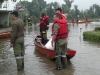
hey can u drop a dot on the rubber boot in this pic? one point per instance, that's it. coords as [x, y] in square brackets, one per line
[23, 64]
[58, 63]
[64, 62]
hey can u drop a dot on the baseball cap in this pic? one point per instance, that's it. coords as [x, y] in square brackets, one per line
[14, 13]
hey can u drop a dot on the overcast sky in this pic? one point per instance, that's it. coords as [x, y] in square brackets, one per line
[82, 4]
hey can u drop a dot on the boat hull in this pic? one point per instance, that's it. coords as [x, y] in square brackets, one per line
[80, 22]
[51, 53]
[5, 35]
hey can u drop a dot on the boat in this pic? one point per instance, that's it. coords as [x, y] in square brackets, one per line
[51, 53]
[81, 22]
[5, 35]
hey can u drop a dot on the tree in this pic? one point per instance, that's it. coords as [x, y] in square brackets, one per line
[68, 5]
[1, 1]
[51, 8]
[76, 11]
[36, 7]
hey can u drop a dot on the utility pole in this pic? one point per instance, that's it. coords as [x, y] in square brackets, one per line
[94, 14]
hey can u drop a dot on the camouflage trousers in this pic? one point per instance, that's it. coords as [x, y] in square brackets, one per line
[19, 52]
[60, 54]
[44, 37]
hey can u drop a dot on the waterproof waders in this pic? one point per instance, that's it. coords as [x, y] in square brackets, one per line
[19, 52]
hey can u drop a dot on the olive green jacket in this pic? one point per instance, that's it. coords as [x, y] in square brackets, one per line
[17, 29]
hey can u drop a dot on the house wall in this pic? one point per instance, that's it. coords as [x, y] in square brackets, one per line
[4, 18]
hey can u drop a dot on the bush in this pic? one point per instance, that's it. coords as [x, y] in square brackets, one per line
[92, 36]
[97, 29]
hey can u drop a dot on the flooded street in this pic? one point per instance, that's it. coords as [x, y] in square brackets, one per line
[85, 62]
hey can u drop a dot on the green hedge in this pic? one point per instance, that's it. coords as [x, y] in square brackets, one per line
[97, 29]
[92, 36]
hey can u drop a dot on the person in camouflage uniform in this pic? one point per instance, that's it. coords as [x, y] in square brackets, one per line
[59, 36]
[29, 21]
[17, 40]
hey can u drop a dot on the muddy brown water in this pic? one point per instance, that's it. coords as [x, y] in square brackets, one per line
[85, 62]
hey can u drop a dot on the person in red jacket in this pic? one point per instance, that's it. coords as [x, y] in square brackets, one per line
[59, 10]
[44, 26]
[59, 36]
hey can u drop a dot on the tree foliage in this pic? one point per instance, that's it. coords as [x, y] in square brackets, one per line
[36, 7]
[1, 1]
[68, 5]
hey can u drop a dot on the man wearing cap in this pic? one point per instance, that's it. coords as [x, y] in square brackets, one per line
[59, 11]
[17, 40]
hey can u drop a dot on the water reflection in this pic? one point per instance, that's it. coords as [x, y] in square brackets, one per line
[86, 25]
[28, 30]
[68, 71]
[36, 28]
[6, 58]
[85, 51]
[51, 65]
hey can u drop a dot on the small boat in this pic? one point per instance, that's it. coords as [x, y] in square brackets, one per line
[81, 22]
[5, 35]
[51, 53]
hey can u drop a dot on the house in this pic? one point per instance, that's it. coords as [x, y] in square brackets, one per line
[4, 18]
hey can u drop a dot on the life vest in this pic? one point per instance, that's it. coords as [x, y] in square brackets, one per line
[63, 16]
[63, 29]
[43, 20]
[46, 17]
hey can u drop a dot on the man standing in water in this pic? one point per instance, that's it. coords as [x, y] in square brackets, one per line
[59, 11]
[17, 40]
[59, 35]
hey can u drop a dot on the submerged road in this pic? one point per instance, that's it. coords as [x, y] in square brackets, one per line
[86, 61]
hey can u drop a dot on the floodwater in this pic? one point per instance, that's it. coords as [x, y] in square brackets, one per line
[85, 62]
